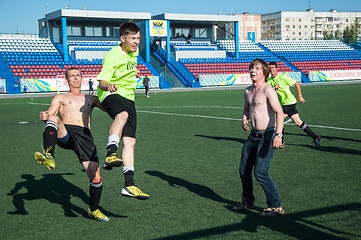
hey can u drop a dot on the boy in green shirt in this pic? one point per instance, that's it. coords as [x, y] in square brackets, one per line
[282, 83]
[117, 83]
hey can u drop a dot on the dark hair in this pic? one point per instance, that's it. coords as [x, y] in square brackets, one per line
[273, 64]
[70, 69]
[266, 70]
[127, 28]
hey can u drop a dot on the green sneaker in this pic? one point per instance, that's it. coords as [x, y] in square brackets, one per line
[45, 158]
[112, 161]
[98, 215]
[134, 191]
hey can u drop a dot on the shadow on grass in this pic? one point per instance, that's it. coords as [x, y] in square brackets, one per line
[198, 189]
[55, 189]
[224, 138]
[325, 137]
[293, 225]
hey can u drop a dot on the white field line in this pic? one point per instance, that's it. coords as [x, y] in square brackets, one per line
[189, 115]
[219, 118]
[236, 119]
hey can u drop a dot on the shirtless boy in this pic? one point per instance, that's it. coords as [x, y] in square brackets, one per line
[72, 131]
[262, 107]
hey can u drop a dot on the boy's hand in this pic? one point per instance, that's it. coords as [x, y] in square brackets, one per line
[44, 115]
[112, 88]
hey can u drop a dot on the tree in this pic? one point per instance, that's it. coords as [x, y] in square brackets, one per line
[351, 33]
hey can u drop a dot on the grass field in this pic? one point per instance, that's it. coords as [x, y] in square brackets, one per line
[187, 156]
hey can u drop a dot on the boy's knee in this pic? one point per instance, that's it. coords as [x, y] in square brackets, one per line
[129, 141]
[54, 119]
[123, 116]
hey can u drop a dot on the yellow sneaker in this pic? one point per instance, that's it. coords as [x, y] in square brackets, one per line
[134, 191]
[112, 161]
[45, 158]
[98, 215]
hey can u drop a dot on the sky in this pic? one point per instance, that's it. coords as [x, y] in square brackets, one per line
[21, 16]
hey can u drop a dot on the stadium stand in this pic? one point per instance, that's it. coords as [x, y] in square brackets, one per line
[214, 66]
[316, 55]
[38, 58]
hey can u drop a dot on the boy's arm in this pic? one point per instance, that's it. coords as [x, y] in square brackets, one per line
[53, 109]
[299, 93]
[245, 114]
[97, 104]
[276, 106]
[105, 86]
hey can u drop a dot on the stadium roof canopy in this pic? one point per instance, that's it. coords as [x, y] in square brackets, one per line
[196, 19]
[72, 14]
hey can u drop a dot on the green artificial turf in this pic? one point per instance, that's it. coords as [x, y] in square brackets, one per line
[186, 158]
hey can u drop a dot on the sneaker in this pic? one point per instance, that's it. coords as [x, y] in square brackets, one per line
[134, 191]
[45, 158]
[317, 141]
[98, 215]
[112, 161]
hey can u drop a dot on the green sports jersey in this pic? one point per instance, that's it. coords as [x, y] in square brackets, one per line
[284, 93]
[119, 68]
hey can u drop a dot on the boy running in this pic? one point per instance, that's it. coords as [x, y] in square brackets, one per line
[282, 83]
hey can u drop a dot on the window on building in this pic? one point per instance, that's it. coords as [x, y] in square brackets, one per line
[73, 30]
[294, 26]
[112, 31]
[183, 32]
[287, 19]
[287, 26]
[293, 33]
[93, 31]
[300, 26]
[306, 26]
[299, 20]
[299, 33]
[200, 32]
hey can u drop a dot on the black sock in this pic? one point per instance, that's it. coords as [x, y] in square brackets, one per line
[112, 148]
[50, 136]
[95, 191]
[129, 178]
[307, 130]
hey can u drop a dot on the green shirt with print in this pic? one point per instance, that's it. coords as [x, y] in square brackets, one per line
[284, 93]
[119, 68]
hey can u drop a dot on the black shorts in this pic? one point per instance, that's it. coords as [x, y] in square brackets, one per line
[115, 104]
[290, 109]
[80, 140]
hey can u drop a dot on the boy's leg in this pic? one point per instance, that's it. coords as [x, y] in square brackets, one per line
[95, 190]
[297, 120]
[130, 189]
[261, 167]
[54, 129]
[116, 107]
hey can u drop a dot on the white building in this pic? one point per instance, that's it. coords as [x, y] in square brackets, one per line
[249, 27]
[306, 25]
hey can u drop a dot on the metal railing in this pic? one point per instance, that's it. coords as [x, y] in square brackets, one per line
[162, 72]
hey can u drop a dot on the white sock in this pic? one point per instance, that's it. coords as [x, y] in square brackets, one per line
[113, 139]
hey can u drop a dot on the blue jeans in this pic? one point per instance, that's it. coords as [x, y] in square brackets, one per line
[257, 153]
